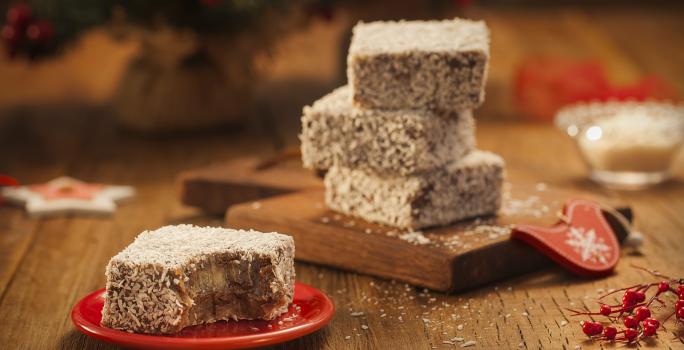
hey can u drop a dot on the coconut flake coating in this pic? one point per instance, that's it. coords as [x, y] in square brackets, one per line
[382, 141]
[439, 65]
[464, 189]
[177, 276]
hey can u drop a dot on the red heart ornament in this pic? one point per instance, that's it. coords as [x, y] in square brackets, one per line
[583, 243]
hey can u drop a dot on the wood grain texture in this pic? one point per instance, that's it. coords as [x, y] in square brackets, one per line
[48, 264]
[464, 255]
[216, 187]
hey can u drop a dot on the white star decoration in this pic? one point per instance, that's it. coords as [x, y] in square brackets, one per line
[67, 195]
[587, 245]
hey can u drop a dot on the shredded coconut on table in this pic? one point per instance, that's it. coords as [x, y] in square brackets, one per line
[415, 237]
[468, 343]
[532, 205]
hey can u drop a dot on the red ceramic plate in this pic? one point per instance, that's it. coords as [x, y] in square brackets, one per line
[310, 310]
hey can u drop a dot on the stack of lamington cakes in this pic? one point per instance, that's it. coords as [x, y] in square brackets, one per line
[398, 142]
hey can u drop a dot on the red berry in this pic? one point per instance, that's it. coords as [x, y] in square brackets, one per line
[680, 313]
[629, 298]
[631, 334]
[40, 31]
[680, 289]
[19, 15]
[663, 287]
[640, 296]
[629, 294]
[610, 332]
[12, 38]
[679, 304]
[591, 328]
[681, 295]
[10, 35]
[631, 322]
[605, 310]
[642, 313]
[649, 330]
[652, 321]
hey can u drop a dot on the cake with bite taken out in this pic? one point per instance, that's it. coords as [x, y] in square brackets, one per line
[179, 276]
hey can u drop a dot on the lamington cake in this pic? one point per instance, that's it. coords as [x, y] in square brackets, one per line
[178, 276]
[382, 141]
[419, 64]
[467, 188]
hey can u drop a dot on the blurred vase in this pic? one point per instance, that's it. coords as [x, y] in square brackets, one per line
[176, 84]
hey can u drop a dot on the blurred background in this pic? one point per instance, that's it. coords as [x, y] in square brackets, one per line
[112, 83]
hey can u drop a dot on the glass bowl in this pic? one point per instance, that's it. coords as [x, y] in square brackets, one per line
[626, 145]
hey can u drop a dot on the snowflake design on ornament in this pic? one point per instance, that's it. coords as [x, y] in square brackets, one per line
[585, 243]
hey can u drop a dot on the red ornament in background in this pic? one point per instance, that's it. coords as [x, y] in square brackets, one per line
[649, 87]
[7, 181]
[542, 85]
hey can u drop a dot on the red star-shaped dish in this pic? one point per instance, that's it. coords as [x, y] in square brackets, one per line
[67, 195]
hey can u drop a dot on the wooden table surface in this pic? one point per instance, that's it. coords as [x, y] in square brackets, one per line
[46, 265]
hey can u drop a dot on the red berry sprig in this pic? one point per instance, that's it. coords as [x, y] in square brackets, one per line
[22, 31]
[610, 332]
[635, 310]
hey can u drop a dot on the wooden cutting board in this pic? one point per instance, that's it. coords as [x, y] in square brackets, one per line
[214, 188]
[456, 257]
